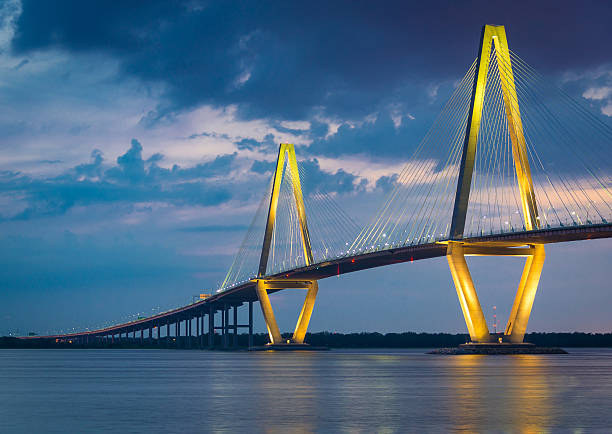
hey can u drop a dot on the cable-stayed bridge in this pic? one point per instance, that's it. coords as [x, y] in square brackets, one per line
[511, 164]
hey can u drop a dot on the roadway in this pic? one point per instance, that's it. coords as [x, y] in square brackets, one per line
[245, 293]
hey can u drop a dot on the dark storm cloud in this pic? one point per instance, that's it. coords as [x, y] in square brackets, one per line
[267, 143]
[380, 138]
[387, 183]
[135, 180]
[316, 180]
[132, 179]
[313, 179]
[286, 59]
[216, 228]
[263, 166]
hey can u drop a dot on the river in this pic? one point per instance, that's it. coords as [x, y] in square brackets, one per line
[167, 391]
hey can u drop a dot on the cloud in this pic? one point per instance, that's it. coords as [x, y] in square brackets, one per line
[340, 181]
[131, 180]
[602, 95]
[266, 145]
[215, 228]
[9, 13]
[387, 183]
[263, 166]
[130, 165]
[595, 85]
[597, 93]
[254, 58]
[385, 135]
[296, 125]
[134, 180]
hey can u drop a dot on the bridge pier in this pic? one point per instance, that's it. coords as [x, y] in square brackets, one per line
[468, 299]
[211, 327]
[203, 337]
[250, 324]
[225, 325]
[167, 333]
[263, 285]
[197, 318]
[525, 295]
[188, 332]
[235, 339]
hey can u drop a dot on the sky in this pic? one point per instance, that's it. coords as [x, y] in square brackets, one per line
[137, 139]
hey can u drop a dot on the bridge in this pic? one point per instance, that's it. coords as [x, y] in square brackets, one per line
[510, 165]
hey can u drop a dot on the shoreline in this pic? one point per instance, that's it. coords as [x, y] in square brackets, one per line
[332, 340]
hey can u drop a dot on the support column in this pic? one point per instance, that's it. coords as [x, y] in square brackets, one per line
[268, 313]
[225, 325]
[201, 340]
[250, 324]
[141, 336]
[197, 318]
[188, 332]
[211, 327]
[521, 309]
[302, 325]
[177, 332]
[167, 333]
[235, 342]
[472, 311]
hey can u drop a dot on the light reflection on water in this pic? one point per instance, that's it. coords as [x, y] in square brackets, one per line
[513, 396]
[336, 391]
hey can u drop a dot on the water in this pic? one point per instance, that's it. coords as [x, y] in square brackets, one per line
[159, 391]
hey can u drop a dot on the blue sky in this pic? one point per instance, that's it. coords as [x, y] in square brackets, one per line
[136, 142]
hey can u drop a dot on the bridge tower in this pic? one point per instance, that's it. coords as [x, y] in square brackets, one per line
[286, 156]
[458, 248]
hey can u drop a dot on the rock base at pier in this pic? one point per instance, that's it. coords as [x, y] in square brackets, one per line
[498, 349]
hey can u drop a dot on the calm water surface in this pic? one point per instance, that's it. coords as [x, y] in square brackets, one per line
[79, 391]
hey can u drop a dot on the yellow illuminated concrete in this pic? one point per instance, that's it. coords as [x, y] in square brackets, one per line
[472, 312]
[494, 35]
[521, 310]
[264, 285]
[286, 154]
[302, 324]
[523, 303]
[515, 127]
[268, 312]
[456, 251]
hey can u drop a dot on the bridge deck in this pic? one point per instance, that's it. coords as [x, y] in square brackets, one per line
[246, 292]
